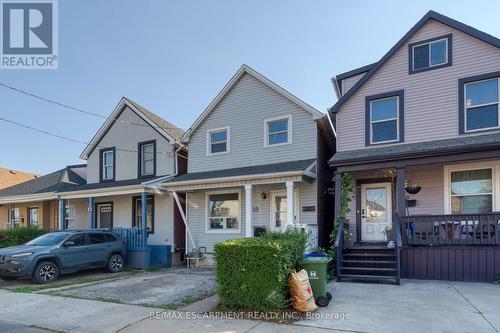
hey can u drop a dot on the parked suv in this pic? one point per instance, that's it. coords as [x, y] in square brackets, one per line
[46, 257]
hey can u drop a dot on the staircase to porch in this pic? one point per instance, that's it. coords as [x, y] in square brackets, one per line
[374, 262]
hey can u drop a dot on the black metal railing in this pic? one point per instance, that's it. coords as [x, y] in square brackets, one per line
[339, 244]
[399, 243]
[463, 229]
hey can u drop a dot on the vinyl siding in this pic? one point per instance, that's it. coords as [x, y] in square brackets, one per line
[197, 211]
[126, 137]
[349, 82]
[244, 109]
[431, 97]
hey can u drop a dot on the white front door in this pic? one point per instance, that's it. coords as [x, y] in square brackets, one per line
[376, 211]
[279, 209]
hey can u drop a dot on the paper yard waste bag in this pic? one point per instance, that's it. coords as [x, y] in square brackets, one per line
[301, 292]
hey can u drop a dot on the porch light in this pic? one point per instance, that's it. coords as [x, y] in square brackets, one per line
[263, 195]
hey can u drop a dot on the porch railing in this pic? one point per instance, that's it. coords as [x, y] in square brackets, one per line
[339, 244]
[464, 229]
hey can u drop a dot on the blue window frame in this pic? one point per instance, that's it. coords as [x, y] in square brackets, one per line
[430, 54]
[384, 118]
[479, 103]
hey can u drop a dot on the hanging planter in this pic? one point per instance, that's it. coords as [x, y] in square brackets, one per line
[413, 189]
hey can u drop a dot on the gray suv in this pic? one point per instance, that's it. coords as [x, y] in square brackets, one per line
[46, 257]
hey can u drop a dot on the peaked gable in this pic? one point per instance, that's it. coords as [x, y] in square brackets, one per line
[431, 15]
[245, 69]
[169, 131]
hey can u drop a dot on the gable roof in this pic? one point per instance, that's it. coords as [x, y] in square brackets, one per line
[245, 69]
[430, 15]
[53, 182]
[166, 129]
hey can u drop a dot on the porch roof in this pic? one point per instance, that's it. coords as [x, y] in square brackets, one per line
[285, 169]
[457, 145]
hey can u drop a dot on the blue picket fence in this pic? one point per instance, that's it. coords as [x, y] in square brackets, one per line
[135, 238]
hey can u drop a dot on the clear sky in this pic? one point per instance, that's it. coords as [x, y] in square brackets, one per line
[173, 57]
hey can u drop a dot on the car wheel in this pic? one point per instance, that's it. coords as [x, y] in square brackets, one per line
[116, 263]
[45, 272]
[8, 278]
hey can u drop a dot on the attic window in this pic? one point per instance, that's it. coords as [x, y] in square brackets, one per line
[218, 141]
[430, 54]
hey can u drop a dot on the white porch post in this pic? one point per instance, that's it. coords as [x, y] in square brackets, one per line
[248, 210]
[61, 214]
[290, 202]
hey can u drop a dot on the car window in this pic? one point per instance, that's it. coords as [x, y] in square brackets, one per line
[111, 238]
[49, 239]
[78, 239]
[97, 238]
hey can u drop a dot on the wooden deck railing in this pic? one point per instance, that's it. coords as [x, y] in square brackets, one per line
[465, 229]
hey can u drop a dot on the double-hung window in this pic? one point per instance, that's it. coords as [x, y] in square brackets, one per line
[107, 164]
[471, 191]
[218, 141]
[147, 158]
[137, 213]
[223, 212]
[481, 104]
[14, 217]
[277, 131]
[384, 118]
[430, 54]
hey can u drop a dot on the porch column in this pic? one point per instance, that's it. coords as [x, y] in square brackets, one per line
[144, 213]
[400, 191]
[338, 193]
[290, 201]
[248, 210]
[61, 214]
[90, 213]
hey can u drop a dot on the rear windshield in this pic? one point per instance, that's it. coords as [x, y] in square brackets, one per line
[49, 239]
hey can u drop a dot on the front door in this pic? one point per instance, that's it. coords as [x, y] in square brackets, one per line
[376, 211]
[279, 209]
[104, 215]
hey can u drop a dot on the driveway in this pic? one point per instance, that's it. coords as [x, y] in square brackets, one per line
[169, 288]
[414, 306]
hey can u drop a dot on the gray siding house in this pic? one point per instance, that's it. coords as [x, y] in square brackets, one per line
[419, 130]
[255, 156]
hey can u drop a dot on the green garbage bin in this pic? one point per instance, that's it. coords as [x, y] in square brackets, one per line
[316, 267]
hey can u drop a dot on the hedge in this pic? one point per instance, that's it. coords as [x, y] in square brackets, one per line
[252, 273]
[18, 236]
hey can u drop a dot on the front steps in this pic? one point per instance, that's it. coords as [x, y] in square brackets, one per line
[369, 263]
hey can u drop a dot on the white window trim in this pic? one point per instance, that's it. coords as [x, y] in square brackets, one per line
[143, 161]
[104, 165]
[290, 130]
[430, 65]
[481, 105]
[207, 213]
[228, 140]
[495, 178]
[385, 120]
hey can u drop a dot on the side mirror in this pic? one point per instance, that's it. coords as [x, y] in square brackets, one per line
[68, 244]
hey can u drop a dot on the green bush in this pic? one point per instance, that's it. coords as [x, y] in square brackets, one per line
[17, 236]
[252, 273]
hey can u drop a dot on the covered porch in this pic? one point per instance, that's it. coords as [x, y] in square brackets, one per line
[141, 213]
[439, 207]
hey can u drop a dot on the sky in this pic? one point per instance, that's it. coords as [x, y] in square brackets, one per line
[173, 57]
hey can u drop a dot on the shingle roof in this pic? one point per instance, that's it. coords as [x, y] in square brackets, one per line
[245, 171]
[168, 127]
[120, 183]
[430, 15]
[414, 150]
[53, 182]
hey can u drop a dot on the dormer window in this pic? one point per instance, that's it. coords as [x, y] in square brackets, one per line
[107, 164]
[218, 141]
[430, 54]
[147, 159]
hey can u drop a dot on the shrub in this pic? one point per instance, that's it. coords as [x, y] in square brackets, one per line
[252, 273]
[17, 236]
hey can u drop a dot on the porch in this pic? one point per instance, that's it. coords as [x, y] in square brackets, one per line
[440, 212]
